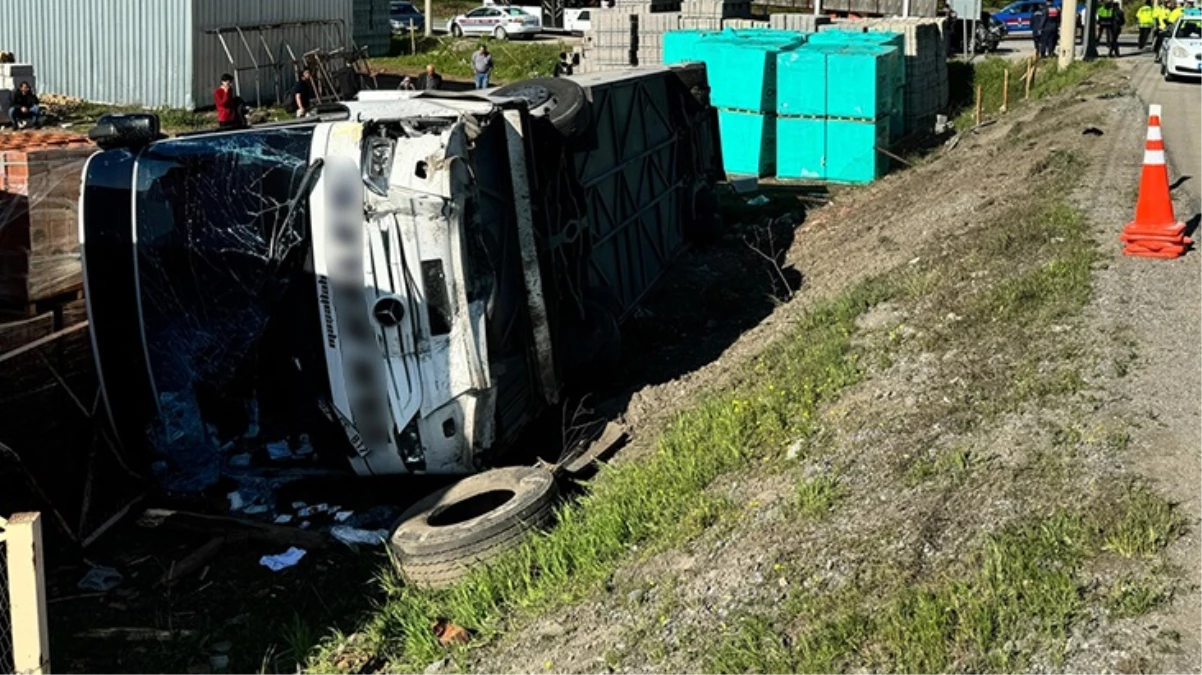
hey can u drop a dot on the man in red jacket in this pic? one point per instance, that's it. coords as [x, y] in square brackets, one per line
[228, 114]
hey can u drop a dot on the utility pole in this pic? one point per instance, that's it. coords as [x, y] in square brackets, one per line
[429, 22]
[1089, 32]
[1067, 50]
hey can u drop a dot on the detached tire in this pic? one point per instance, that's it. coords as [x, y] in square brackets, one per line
[441, 538]
[560, 100]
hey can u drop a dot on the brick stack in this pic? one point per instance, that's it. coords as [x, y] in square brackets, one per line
[803, 23]
[926, 90]
[607, 43]
[709, 14]
[39, 223]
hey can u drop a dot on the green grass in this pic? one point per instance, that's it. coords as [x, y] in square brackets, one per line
[452, 57]
[1050, 79]
[658, 500]
[817, 496]
[1134, 595]
[1025, 586]
[1146, 525]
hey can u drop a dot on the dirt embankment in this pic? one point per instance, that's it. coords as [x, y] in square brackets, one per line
[1012, 389]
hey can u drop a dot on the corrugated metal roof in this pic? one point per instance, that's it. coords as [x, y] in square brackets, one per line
[111, 51]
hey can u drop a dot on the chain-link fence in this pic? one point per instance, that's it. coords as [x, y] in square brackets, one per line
[6, 624]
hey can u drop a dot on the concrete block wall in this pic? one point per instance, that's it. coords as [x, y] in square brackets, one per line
[926, 68]
[607, 44]
[806, 23]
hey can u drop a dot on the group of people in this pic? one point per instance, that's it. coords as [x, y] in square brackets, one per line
[1045, 29]
[1153, 19]
[1156, 20]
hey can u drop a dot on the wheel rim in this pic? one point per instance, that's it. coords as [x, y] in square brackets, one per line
[534, 94]
[499, 33]
[456, 31]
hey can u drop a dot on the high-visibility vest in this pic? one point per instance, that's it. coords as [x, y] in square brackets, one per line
[1161, 14]
[1175, 14]
[1145, 16]
[1105, 13]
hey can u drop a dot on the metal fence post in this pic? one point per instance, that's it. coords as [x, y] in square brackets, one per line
[27, 593]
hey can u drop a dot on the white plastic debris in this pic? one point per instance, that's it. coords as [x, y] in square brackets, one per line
[353, 535]
[236, 502]
[304, 524]
[284, 560]
[759, 200]
[256, 509]
[321, 508]
[240, 460]
[298, 505]
[283, 518]
[342, 516]
[306, 511]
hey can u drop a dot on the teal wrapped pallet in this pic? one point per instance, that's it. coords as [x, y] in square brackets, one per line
[748, 142]
[742, 68]
[864, 81]
[801, 82]
[851, 150]
[681, 46]
[801, 148]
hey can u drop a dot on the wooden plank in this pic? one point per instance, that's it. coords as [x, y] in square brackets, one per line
[27, 593]
[49, 339]
[14, 334]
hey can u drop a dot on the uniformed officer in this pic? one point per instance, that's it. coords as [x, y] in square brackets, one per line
[1038, 16]
[1145, 16]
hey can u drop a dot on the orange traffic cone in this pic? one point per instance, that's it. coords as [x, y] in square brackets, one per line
[1155, 232]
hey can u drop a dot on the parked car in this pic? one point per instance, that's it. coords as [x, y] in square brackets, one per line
[499, 22]
[402, 15]
[578, 20]
[1017, 16]
[1181, 51]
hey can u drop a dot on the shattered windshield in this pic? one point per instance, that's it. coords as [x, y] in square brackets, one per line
[217, 249]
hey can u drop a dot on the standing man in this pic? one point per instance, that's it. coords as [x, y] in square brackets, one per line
[482, 64]
[1117, 19]
[1160, 15]
[302, 93]
[1104, 17]
[431, 80]
[228, 104]
[1145, 17]
[25, 111]
[1038, 17]
[1051, 31]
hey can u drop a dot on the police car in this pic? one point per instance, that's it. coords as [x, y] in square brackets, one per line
[501, 22]
[1017, 16]
[1181, 52]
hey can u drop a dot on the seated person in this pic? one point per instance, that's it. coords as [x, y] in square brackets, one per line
[25, 110]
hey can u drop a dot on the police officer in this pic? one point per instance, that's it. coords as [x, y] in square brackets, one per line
[1105, 16]
[1038, 16]
[1051, 32]
[1161, 15]
[1178, 10]
[1117, 19]
[1146, 19]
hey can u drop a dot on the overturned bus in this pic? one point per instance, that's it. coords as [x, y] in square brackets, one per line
[401, 282]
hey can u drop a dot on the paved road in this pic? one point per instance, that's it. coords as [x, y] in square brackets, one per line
[1182, 103]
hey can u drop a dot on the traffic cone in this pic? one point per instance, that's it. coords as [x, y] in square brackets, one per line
[1155, 232]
